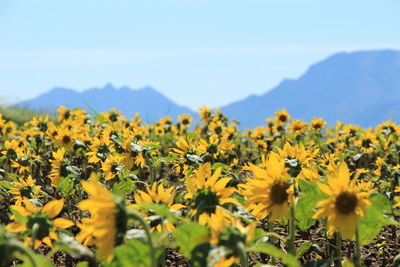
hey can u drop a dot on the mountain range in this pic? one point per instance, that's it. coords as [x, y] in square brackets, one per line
[360, 88]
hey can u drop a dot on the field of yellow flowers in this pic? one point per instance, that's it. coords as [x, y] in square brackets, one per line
[106, 191]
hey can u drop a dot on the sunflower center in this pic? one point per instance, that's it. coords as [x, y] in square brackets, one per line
[317, 126]
[212, 149]
[282, 118]
[366, 143]
[346, 203]
[206, 200]
[279, 193]
[66, 139]
[26, 191]
[43, 223]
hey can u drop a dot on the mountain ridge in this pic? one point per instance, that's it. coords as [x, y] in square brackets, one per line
[361, 87]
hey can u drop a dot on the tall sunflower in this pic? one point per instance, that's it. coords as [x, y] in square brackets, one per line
[269, 191]
[345, 202]
[101, 227]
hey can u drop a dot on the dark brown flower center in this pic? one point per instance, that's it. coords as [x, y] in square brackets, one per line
[279, 193]
[346, 203]
[283, 118]
[66, 139]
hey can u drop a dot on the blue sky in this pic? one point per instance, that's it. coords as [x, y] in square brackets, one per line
[195, 52]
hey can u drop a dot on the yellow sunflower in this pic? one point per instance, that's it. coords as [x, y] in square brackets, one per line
[297, 127]
[368, 141]
[112, 166]
[158, 195]
[56, 166]
[24, 188]
[101, 227]
[65, 138]
[269, 191]
[209, 193]
[39, 222]
[345, 202]
[282, 116]
[317, 124]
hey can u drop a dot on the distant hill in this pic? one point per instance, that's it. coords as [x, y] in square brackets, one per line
[360, 88]
[147, 101]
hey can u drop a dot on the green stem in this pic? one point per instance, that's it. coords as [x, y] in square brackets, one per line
[357, 256]
[338, 250]
[242, 254]
[35, 229]
[146, 227]
[19, 247]
[292, 232]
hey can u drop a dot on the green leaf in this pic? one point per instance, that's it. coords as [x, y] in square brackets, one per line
[133, 253]
[303, 248]
[376, 217]
[310, 195]
[66, 186]
[39, 260]
[161, 210]
[275, 252]
[188, 236]
[124, 187]
[7, 185]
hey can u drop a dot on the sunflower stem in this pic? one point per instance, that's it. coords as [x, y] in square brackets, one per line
[357, 256]
[35, 229]
[242, 254]
[146, 227]
[292, 232]
[338, 249]
[19, 247]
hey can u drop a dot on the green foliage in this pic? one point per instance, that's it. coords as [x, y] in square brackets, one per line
[377, 216]
[275, 252]
[310, 195]
[189, 236]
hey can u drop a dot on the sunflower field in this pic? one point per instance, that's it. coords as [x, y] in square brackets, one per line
[102, 190]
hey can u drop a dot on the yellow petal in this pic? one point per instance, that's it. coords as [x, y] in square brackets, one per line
[53, 208]
[62, 223]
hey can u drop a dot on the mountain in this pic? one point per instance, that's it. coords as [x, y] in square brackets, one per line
[147, 101]
[361, 88]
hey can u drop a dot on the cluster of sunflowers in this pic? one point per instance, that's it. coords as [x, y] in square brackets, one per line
[104, 190]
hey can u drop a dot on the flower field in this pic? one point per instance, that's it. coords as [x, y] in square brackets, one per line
[103, 190]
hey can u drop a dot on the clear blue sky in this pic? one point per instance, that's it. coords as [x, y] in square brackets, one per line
[195, 52]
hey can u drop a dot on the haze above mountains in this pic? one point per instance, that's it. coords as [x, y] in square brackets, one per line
[360, 88]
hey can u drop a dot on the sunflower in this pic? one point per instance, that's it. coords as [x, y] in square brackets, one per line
[100, 149]
[24, 188]
[12, 149]
[282, 116]
[101, 228]
[317, 124]
[299, 161]
[158, 195]
[204, 114]
[39, 222]
[112, 166]
[57, 168]
[368, 141]
[65, 138]
[297, 127]
[269, 191]
[209, 193]
[63, 114]
[345, 203]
